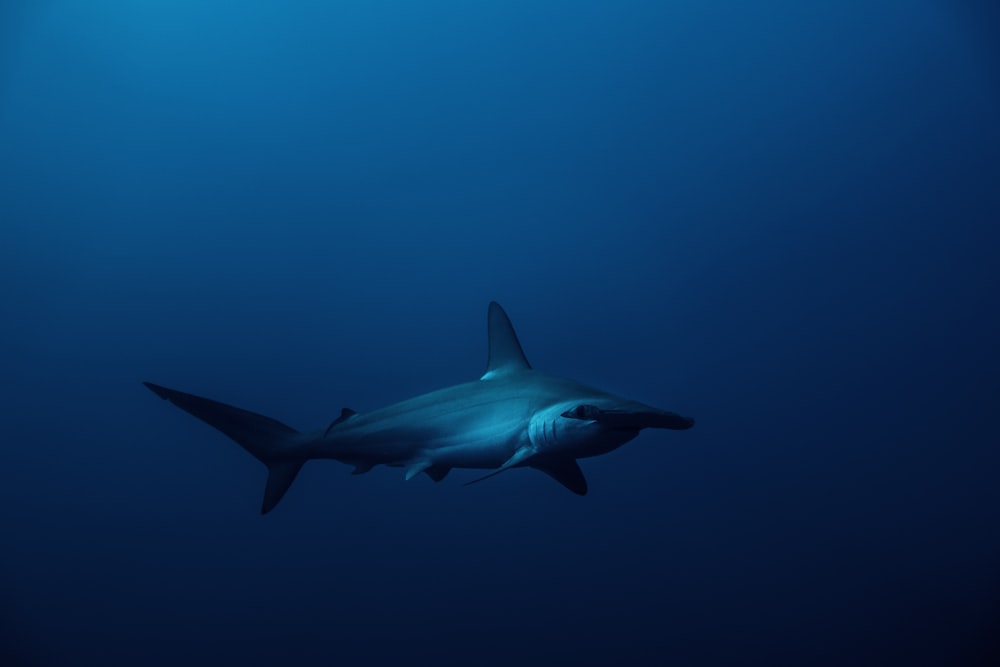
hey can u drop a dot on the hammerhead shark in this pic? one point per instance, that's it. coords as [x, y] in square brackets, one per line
[512, 417]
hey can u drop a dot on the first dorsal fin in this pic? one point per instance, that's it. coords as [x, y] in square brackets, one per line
[345, 414]
[505, 355]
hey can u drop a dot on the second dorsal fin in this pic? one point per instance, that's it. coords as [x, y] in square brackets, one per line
[506, 355]
[345, 414]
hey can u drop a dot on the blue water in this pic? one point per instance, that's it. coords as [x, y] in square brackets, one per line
[780, 218]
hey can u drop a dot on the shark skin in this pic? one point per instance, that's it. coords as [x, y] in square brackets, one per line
[513, 417]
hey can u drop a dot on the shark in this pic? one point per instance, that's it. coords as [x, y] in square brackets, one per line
[512, 417]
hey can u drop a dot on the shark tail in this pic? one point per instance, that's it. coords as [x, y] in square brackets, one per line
[267, 439]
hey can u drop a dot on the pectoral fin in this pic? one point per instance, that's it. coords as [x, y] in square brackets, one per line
[565, 471]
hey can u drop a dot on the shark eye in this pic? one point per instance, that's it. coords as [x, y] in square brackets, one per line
[580, 412]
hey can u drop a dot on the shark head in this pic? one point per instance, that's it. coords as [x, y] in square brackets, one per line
[580, 421]
[593, 426]
[572, 421]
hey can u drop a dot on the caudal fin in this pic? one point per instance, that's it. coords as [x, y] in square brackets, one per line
[267, 439]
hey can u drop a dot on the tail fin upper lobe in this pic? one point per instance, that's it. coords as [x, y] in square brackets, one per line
[267, 439]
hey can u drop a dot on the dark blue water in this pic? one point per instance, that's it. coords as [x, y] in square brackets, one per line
[779, 219]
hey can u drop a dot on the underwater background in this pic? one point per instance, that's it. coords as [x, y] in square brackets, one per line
[779, 218]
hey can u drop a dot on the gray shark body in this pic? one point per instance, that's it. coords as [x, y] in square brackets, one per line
[512, 417]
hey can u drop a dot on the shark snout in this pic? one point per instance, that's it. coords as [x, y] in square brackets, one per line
[666, 419]
[633, 417]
